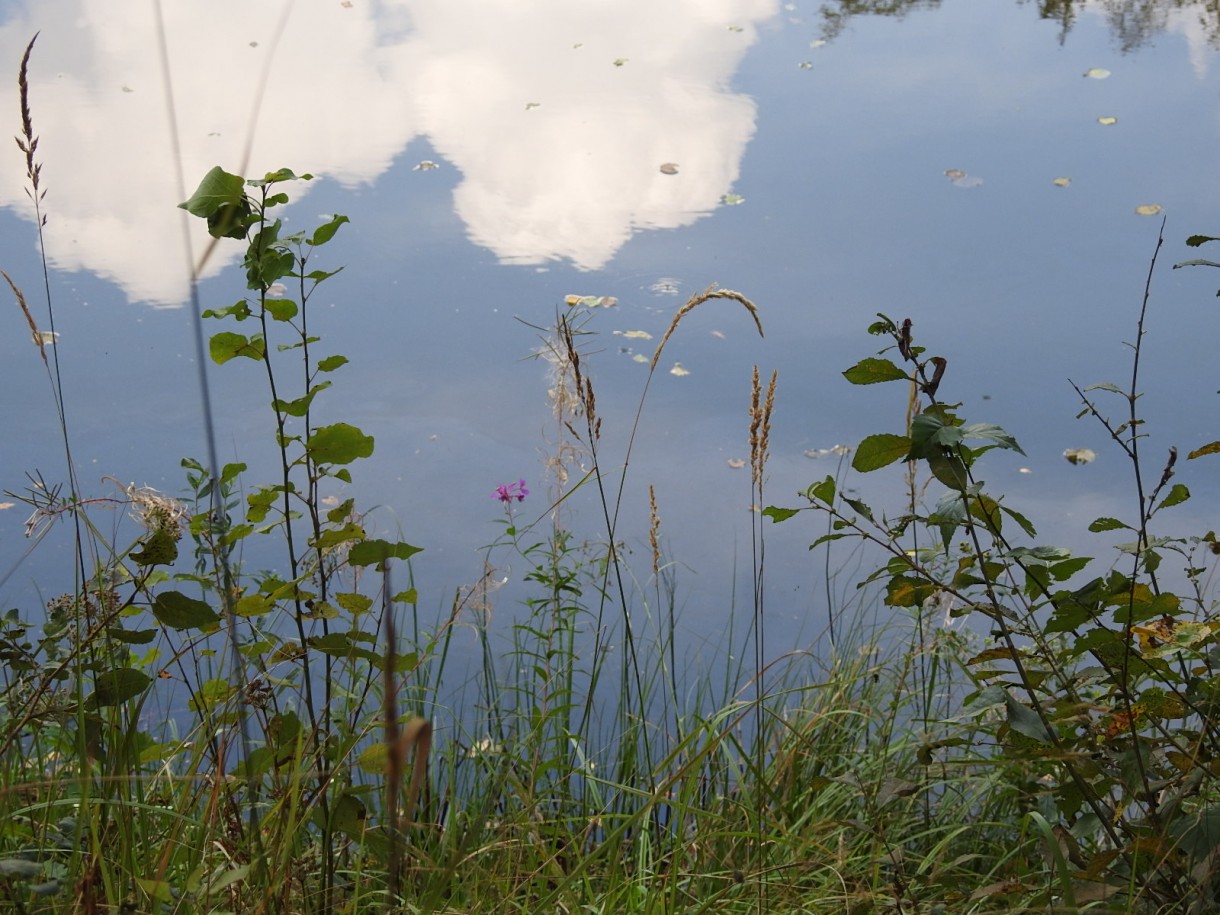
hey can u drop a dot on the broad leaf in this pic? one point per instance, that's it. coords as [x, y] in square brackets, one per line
[874, 370]
[339, 444]
[372, 551]
[879, 451]
[178, 611]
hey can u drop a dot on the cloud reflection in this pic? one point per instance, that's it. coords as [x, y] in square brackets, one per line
[558, 115]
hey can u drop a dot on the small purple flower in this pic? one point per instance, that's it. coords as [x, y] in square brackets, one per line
[506, 493]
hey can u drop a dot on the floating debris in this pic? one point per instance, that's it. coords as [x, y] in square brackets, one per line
[679, 370]
[669, 168]
[732, 200]
[619, 61]
[1107, 121]
[530, 106]
[959, 178]
[736, 463]
[1080, 455]
[590, 301]
[1149, 209]
[806, 65]
[666, 285]
[1062, 182]
[640, 357]
[634, 334]
[425, 165]
[45, 337]
[1097, 73]
[836, 450]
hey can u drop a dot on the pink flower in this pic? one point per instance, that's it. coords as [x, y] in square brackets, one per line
[506, 493]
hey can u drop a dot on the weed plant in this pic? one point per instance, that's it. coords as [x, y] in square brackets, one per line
[180, 733]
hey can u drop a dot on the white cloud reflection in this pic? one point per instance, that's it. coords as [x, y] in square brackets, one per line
[559, 148]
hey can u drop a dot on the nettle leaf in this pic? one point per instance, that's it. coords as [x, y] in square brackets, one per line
[178, 611]
[779, 514]
[228, 345]
[1177, 495]
[371, 551]
[340, 443]
[879, 451]
[873, 371]
[1209, 448]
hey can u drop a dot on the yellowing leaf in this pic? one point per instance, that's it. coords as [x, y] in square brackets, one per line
[1062, 182]
[1149, 209]
[736, 463]
[678, 370]
[732, 200]
[639, 357]
[1080, 455]
[1107, 121]
[1097, 73]
[590, 301]
[634, 334]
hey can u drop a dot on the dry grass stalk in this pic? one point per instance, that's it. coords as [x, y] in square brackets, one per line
[760, 424]
[654, 526]
[28, 145]
[711, 292]
[40, 339]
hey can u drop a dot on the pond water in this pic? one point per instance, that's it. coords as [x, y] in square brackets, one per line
[827, 161]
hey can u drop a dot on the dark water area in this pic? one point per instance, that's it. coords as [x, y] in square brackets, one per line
[955, 164]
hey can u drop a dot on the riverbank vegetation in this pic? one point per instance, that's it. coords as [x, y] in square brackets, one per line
[183, 730]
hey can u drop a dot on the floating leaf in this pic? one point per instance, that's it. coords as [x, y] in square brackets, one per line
[1062, 182]
[678, 370]
[424, 165]
[669, 168]
[45, 337]
[736, 463]
[806, 65]
[837, 450]
[634, 334]
[1107, 121]
[1149, 209]
[640, 357]
[732, 200]
[530, 106]
[1097, 73]
[590, 301]
[1080, 455]
[619, 61]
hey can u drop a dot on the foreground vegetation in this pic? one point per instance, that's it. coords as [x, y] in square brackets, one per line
[182, 733]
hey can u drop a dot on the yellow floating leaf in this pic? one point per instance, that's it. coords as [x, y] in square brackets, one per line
[1097, 73]
[4, 505]
[1107, 121]
[678, 370]
[736, 463]
[954, 173]
[1149, 209]
[732, 200]
[640, 357]
[46, 337]
[634, 334]
[1080, 455]
[590, 301]
[1062, 182]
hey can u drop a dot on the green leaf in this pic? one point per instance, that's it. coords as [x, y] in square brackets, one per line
[1177, 495]
[177, 611]
[330, 363]
[409, 596]
[879, 451]
[827, 538]
[779, 514]
[375, 551]
[281, 309]
[1196, 263]
[1196, 240]
[227, 345]
[339, 444]
[1210, 448]
[991, 432]
[157, 549]
[949, 469]
[1024, 720]
[1107, 524]
[114, 687]
[1024, 523]
[221, 200]
[325, 232]
[822, 492]
[873, 371]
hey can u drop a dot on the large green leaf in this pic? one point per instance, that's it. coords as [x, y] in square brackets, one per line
[221, 200]
[879, 451]
[114, 687]
[873, 371]
[372, 551]
[177, 611]
[228, 345]
[339, 444]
